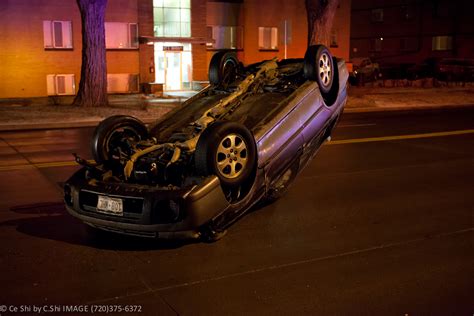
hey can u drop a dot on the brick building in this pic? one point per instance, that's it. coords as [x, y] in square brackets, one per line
[40, 47]
[164, 42]
[409, 31]
[263, 29]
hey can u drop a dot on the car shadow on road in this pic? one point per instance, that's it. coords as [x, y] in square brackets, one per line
[54, 223]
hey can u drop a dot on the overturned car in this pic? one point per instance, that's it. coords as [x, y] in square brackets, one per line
[241, 140]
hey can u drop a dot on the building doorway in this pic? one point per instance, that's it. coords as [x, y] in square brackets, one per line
[173, 71]
[173, 66]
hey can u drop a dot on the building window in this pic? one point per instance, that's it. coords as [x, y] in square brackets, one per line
[172, 18]
[121, 35]
[376, 15]
[442, 43]
[61, 84]
[57, 34]
[376, 44]
[408, 44]
[225, 37]
[333, 40]
[268, 38]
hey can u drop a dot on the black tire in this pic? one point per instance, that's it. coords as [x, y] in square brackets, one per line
[319, 67]
[217, 146]
[223, 68]
[209, 235]
[111, 131]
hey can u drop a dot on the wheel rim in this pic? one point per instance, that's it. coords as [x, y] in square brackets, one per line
[231, 156]
[325, 70]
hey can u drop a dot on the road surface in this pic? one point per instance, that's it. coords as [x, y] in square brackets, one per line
[380, 223]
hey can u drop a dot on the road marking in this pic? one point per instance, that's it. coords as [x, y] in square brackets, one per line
[333, 142]
[399, 137]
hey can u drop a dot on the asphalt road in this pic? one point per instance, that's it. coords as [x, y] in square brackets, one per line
[380, 223]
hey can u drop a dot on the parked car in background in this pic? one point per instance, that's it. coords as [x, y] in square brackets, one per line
[363, 70]
[395, 71]
[455, 69]
[425, 69]
[241, 140]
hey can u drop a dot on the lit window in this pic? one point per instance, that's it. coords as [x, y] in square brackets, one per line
[57, 34]
[377, 15]
[225, 37]
[172, 18]
[268, 38]
[61, 84]
[121, 35]
[442, 43]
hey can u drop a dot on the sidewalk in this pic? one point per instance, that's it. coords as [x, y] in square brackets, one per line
[374, 99]
[42, 113]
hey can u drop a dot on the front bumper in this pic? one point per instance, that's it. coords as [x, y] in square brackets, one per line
[147, 211]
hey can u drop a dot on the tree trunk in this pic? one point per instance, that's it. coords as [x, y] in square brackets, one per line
[320, 14]
[93, 84]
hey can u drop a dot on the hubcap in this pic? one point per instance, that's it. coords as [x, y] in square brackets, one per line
[325, 69]
[231, 156]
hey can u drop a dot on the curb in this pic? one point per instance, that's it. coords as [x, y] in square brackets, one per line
[60, 125]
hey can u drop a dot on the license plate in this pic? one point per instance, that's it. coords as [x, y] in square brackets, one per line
[110, 205]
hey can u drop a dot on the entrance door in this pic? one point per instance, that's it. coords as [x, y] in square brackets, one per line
[172, 71]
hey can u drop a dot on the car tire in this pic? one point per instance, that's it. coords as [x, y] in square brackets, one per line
[223, 68]
[319, 67]
[228, 150]
[113, 130]
[210, 235]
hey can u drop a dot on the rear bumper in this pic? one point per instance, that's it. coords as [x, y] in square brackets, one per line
[147, 211]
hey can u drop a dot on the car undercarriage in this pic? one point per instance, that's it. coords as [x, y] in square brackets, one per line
[210, 143]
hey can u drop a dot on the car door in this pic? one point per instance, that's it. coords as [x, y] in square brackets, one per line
[297, 124]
